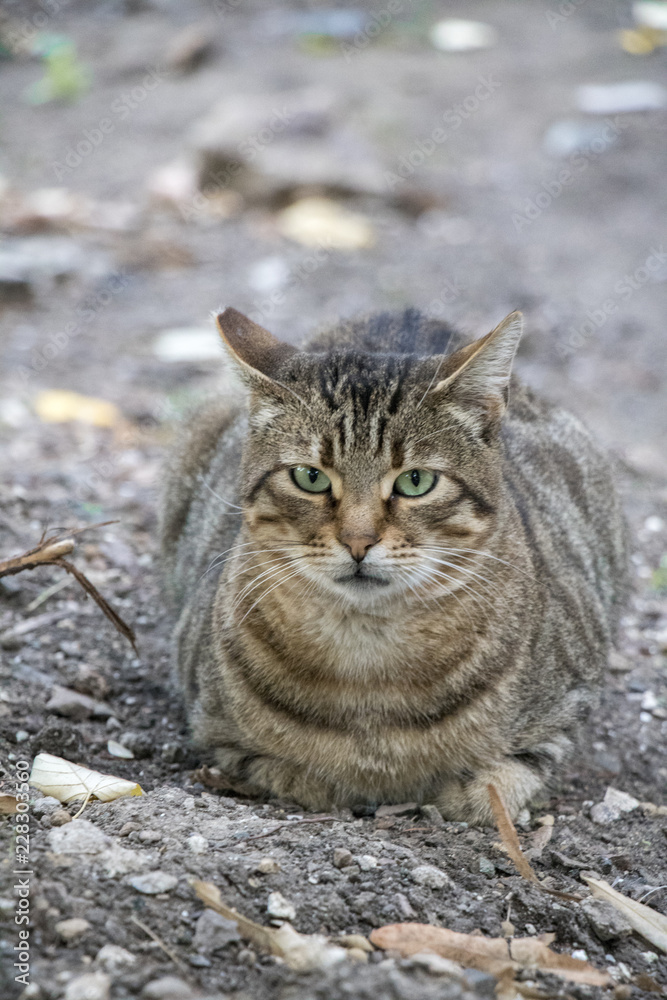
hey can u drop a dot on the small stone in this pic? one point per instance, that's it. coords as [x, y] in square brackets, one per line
[430, 876]
[167, 988]
[366, 862]
[78, 837]
[581, 954]
[531, 929]
[150, 836]
[89, 986]
[128, 828]
[141, 744]
[342, 857]
[45, 806]
[21, 735]
[59, 817]
[436, 965]
[606, 921]
[433, 815]
[268, 866]
[523, 819]
[279, 907]
[356, 955]
[199, 961]
[213, 931]
[114, 959]
[71, 929]
[247, 956]
[508, 928]
[153, 883]
[482, 983]
[355, 941]
[614, 804]
[74, 705]
[487, 867]
[197, 844]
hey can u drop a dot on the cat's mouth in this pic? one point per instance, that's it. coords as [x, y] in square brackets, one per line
[362, 580]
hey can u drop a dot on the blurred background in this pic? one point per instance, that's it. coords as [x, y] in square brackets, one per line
[303, 162]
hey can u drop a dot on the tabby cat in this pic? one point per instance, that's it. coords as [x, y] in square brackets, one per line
[397, 573]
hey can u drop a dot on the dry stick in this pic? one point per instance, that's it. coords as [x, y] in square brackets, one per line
[288, 824]
[510, 839]
[51, 552]
[160, 943]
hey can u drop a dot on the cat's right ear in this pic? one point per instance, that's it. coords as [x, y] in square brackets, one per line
[257, 354]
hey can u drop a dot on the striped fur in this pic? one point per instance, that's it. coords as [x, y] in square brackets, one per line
[477, 647]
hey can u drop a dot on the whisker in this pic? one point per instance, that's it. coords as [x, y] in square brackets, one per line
[464, 569]
[269, 591]
[222, 499]
[433, 379]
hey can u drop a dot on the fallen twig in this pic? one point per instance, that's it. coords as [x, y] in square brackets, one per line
[160, 943]
[51, 552]
[289, 823]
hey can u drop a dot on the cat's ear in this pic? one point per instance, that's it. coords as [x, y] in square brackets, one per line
[478, 375]
[257, 354]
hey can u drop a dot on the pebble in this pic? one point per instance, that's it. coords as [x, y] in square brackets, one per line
[430, 876]
[618, 98]
[150, 836]
[73, 705]
[487, 866]
[342, 857]
[564, 138]
[153, 883]
[114, 959]
[268, 866]
[614, 804]
[433, 815]
[366, 862]
[167, 988]
[436, 965]
[72, 928]
[44, 806]
[197, 844]
[456, 35]
[606, 921]
[89, 986]
[279, 907]
[78, 837]
[213, 931]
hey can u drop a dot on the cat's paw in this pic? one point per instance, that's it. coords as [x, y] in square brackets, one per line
[468, 801]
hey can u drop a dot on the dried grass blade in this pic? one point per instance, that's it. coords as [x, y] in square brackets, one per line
[509, 836]
[646, 922]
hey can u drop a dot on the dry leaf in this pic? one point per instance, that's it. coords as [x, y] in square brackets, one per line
[303, 952]
[66, 781]
[118, 750]
[320, 222]
[8, 805]
[646, 922]
[497, 956]
[58, 406]
[509, 835]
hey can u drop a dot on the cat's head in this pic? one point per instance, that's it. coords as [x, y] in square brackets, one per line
[372, 476]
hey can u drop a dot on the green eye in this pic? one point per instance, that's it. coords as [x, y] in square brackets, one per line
[415, 483]
[311, 480]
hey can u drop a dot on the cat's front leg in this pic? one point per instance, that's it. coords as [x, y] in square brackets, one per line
[257, 775]
[467, 800]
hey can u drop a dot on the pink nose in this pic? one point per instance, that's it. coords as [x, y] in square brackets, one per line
[358, 545]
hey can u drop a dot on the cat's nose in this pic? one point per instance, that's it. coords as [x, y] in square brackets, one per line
[358, 545]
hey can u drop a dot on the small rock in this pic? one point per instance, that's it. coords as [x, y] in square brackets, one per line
[523, 819]
[141, 744]
[78, 837]
[118, 750]
[456, 35]
[612, 807]
[128, 828]
[71, 929]
[153, 883]
[342, 857]
[482, 983]
[89, 986]
[581, 954]
[606, 921]
[433, 815]
[114, 959]
[44, 806]
[213, 932]
[366, 862]
[90, 682]
[437, 965]
[268, 866]
[279, 907]
[189, 48]
[619, 98]
[150, 836]
[197, 843]
[74, 705]
[430, 876]
[59, 817]
[564, 138]
[167, 988]
[487, 867]
[355, 941]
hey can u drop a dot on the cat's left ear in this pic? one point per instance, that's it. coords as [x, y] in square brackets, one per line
[478, 375]
[257, 353]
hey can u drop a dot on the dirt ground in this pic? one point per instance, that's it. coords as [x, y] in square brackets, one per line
[468, 227]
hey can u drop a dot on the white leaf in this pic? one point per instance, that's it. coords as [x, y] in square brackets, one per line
[646, 922]
[66, 781]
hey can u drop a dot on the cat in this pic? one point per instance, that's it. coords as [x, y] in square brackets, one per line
[396, 572]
